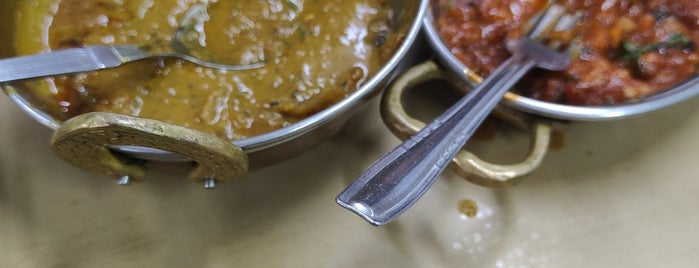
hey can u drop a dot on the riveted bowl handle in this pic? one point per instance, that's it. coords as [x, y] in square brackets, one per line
[466, 164]
[87, 141]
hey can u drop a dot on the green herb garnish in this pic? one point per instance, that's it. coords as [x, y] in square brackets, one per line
[660, 14]
[292, 5]
[631, 51]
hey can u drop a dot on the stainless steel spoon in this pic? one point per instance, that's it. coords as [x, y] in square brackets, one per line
[92, 58]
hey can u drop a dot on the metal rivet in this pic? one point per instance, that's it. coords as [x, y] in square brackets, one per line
[124, 180]
[210, 184]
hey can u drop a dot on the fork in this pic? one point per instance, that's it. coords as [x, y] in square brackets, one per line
[397, 180]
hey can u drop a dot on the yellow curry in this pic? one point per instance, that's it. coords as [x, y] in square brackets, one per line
[314, 52]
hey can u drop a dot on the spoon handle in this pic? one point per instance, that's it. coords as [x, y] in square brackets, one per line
[60, 62]
[393, 183]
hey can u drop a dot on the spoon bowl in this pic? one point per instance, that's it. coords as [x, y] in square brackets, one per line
[184, 46]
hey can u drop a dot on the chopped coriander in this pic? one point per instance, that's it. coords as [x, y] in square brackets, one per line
[660, 14]
[292, 5]
[447, 6]
[632, 52]
[610, 100]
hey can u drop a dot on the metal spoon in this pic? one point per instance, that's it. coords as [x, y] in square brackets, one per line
[92, 58]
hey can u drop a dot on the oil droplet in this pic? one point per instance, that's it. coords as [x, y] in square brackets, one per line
[557, 140]
[468, 207]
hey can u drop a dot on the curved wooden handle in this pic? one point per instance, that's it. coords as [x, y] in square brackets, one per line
[85, 142]
[467, 165]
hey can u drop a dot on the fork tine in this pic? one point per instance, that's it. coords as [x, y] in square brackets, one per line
[544, 22]
[567, 22]
[554, 27]
[553, 20]
[550, 38]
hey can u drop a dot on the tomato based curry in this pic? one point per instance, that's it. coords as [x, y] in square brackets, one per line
[628, 50]
[315, 53]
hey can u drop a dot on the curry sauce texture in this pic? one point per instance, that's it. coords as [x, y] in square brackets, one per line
[314, 53]
[627, 50]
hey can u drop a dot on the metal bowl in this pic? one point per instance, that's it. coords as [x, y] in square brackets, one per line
[524, 112]
[258, 150]
[672, 96]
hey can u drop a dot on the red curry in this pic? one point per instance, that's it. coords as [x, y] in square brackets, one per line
[629, 49]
